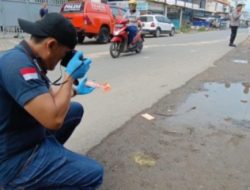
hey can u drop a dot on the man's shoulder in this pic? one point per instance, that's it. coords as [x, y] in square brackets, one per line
[14, 50]
[13, 55]
[13, 59]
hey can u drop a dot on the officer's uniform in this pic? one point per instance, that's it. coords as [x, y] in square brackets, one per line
[30, 156]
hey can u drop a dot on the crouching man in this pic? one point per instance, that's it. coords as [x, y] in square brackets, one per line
[36, 121]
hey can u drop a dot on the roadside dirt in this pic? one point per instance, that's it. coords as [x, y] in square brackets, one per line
[199, 138]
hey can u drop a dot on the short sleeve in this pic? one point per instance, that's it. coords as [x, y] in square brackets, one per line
[20, 77]
[125, 16]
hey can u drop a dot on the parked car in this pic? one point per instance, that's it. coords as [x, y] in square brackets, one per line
[157, 25]
[92, 19]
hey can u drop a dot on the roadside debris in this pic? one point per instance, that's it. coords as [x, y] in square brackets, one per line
[147, 116]
[241, 61]
[144, 160]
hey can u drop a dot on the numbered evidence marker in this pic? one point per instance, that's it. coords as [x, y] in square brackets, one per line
[105, 86]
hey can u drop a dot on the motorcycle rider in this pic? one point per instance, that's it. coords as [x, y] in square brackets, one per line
[133, 16]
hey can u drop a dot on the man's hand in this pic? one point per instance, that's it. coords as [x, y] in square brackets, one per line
[82, 88]
[77, 68]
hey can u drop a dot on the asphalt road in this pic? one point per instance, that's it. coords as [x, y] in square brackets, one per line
[198, 140]
[201, 132]
[140, 80]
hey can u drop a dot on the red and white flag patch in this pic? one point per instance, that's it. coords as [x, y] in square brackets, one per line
[29, 73]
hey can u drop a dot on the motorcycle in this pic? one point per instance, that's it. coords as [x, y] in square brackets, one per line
[119, 42]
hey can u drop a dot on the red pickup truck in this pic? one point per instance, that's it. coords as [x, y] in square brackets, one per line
[92, 19]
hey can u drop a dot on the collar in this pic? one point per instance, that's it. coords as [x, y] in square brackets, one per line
[27, 49]
[24, 46]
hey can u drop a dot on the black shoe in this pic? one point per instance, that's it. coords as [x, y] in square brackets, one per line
[232, 45]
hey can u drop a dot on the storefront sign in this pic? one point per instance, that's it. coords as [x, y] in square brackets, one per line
[226, 2]
[180, 3]
[156, 6]
[141, 5]
[171, 2]
[188, 5]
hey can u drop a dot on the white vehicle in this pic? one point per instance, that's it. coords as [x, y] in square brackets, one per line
[157, 25]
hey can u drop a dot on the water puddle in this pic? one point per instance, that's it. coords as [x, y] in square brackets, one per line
[216, 103]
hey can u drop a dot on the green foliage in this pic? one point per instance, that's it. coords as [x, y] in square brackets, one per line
[202, 29]
[185, 28]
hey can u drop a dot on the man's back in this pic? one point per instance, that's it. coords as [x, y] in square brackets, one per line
[16, 138]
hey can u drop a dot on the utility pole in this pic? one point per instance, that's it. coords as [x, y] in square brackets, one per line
[181, 12]
[2, 16]
[165, 3]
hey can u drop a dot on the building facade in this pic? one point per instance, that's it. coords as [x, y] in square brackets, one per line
[11, 10]
[182, 12]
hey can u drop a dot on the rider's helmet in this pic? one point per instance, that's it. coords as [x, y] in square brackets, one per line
[132, 5]
[132, 2]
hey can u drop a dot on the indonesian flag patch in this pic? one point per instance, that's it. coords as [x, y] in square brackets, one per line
[29, 73]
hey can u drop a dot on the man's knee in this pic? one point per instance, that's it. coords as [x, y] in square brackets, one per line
[76, 109]
[96, 174]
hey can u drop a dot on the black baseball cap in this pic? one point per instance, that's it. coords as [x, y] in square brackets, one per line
[52, 25]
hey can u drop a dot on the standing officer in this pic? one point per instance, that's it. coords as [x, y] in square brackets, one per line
[235, 23]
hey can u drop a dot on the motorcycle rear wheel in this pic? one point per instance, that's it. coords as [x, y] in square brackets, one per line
[115, 49]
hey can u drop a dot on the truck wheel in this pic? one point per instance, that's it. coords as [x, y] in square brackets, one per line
[104, 35]
[80, 38]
